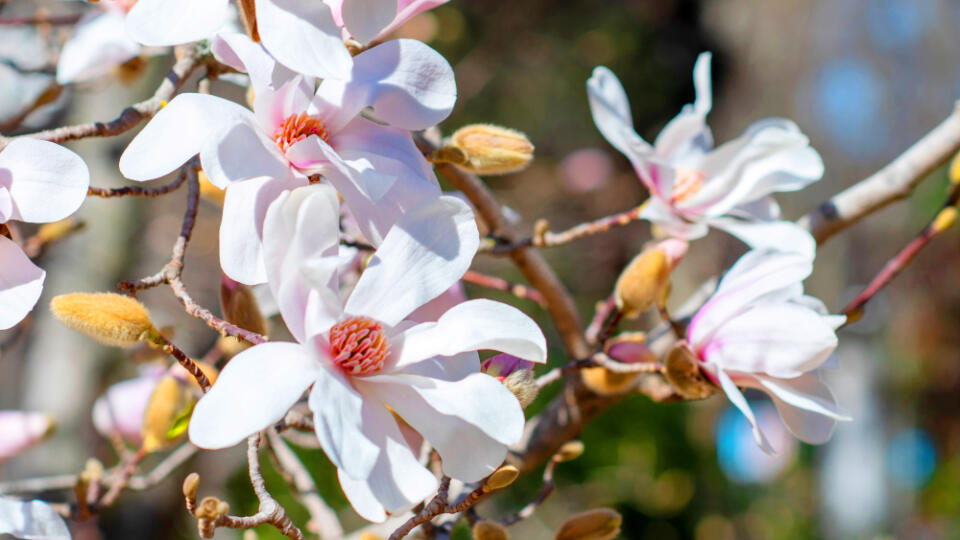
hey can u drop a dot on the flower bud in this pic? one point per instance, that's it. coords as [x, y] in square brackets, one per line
[20, 430]
[626, 348]
[209, 191]
[111, 319]
[490, 530]
[250, 534]
[119, 411]
[240, 307]
[501, 478]
[516, 374]
[954, 171]
[190, 486]
[93, 469]
[945, 219]
[682, 370]
[489, 149]
[211, 508]
[569, 451]
[599, 524]
[169, 402]
[645, 280]
[369, 536]
[51, 232]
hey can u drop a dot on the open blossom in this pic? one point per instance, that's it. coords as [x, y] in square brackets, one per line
[371, 21]
[694, 186]
[760, 331]
[294, 132]
[367, 365]
[40, 182]
[99, 43]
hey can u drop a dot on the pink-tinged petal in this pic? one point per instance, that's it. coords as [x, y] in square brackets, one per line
[303, 36]
[806, 406]
[241, 227]
[46, 182]
[300, 226]
[502, 365]
[671, 225]
[361, 137]
[408, 9]
[6, 204]
[770, 236]
[687, 137]
[781, 339]
[755, 274]
[397, 482]
[19, 430]
[273, 106]
[365, 19]
[21, 283]
[31, 520]
[426, 252]
[470, 422]
[434, 309]
[172, 22]
[474, 325]
[255, 390]
[740, 402]
[348, 427]
[99, 44]
[408, 84]
[241, 151]
[242, 54]
[120, 410]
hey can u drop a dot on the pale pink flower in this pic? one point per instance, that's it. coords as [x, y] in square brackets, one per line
[31, 520]
[99, 43]
[759, 330]
[294, 132]
[40, 182]
[119, 411]
[20, 430]
[361, 355]
[694, 186]
[372, 20]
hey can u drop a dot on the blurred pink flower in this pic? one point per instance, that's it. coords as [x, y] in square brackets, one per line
[119, 411]
[20, 430]
[586, 170]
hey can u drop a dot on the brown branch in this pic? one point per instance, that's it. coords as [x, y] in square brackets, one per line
[185, 361]
[323, 519]
[548, 488]
[138, 191]
[126, 473]
[894, 182]
[492, 282]
[41, 18]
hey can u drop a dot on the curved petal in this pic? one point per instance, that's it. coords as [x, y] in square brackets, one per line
[33, 520]
[256, 389]
[98, 44]
[21, 283]
[172, 22]
[611, 113]
[365, 19]
[241, 151]
[736, 397]
[303, 36]
[687, 137]
[426, 252]
[806, 406]
[408, 9]
[472, 326]
[446, 368]
[242, 54]
[300, 226]
[470, 422]
[46, 182]
[770, 236]
[241, 227]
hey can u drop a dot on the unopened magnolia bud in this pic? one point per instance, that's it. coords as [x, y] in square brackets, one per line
[682, 371]
[119, 411]
[211, 508]
[489, 149]
[647, 278]
[626, 348]
[51, 232]
[369, 536]
[111, 319]
[20, 430]
[569, 451]
[240, 307]
[190, 486]
[502, 365]
[599, 524]
[954, 172]
[250, 534]
[945, 219]
[501, 478]
[523, 384]
[490, 530]
[168, 403]
[209, 191]
[93, 469]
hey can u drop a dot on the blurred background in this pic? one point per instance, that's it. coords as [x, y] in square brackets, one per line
[863, 79]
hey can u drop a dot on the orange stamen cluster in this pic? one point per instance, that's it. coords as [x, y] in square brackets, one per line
[359, 345]
[687, 183]
[296, 128]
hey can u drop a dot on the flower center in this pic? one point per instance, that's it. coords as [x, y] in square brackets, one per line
[359, 345]
[296, 128]
[686, 183]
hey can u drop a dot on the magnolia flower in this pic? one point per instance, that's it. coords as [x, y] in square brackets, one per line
[760, 331]
[99, 43]
[371, 370]
[370, 21]
[694, 186]
[40, 182]
[20, 430]
[294, 132]
[119, 411]
[34, 520]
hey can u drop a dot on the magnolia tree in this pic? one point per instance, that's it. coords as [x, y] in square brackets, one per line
[332, 209]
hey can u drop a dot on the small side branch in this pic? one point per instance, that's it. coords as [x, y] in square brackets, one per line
[138, 191]
[516, 289]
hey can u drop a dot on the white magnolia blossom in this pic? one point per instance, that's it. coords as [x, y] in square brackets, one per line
[694, 186]
[99, 43]
[367, 365]
[40, 182]
[760, 331]
[31, 520]
[294, 132]
[371, 20]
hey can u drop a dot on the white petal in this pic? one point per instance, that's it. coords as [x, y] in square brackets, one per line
[172, 22]
[255, 390]
[806, 406]
[611, 114]
[365, 19]
[99, 44]
[242, 54]
[46, 181]
[770, 236]
[426, 252]
[21, 283]
[241, 227]
[302, 36]
[407, 9]
[241, 151]
[302, 225]
[446, 368]
[472, 326]
[470, 422]
[687, 136]
[740, 402]
[755, 274]
[32, 520]
[348, 427]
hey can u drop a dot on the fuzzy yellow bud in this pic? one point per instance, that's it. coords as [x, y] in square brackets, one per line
[51, 232]
[240, 307]
[490, 530]
[209, 191]
[599, 524]
[523, 384]
[488, 149]
[643, 282]
[569, 451]
[190, 486]
[111, 319]
[954, 171]
[945, 219]
[683, 372]
[501, 478]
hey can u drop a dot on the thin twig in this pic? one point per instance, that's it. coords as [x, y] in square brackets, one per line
[544, 238]
[138, 191]
[500, 284]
